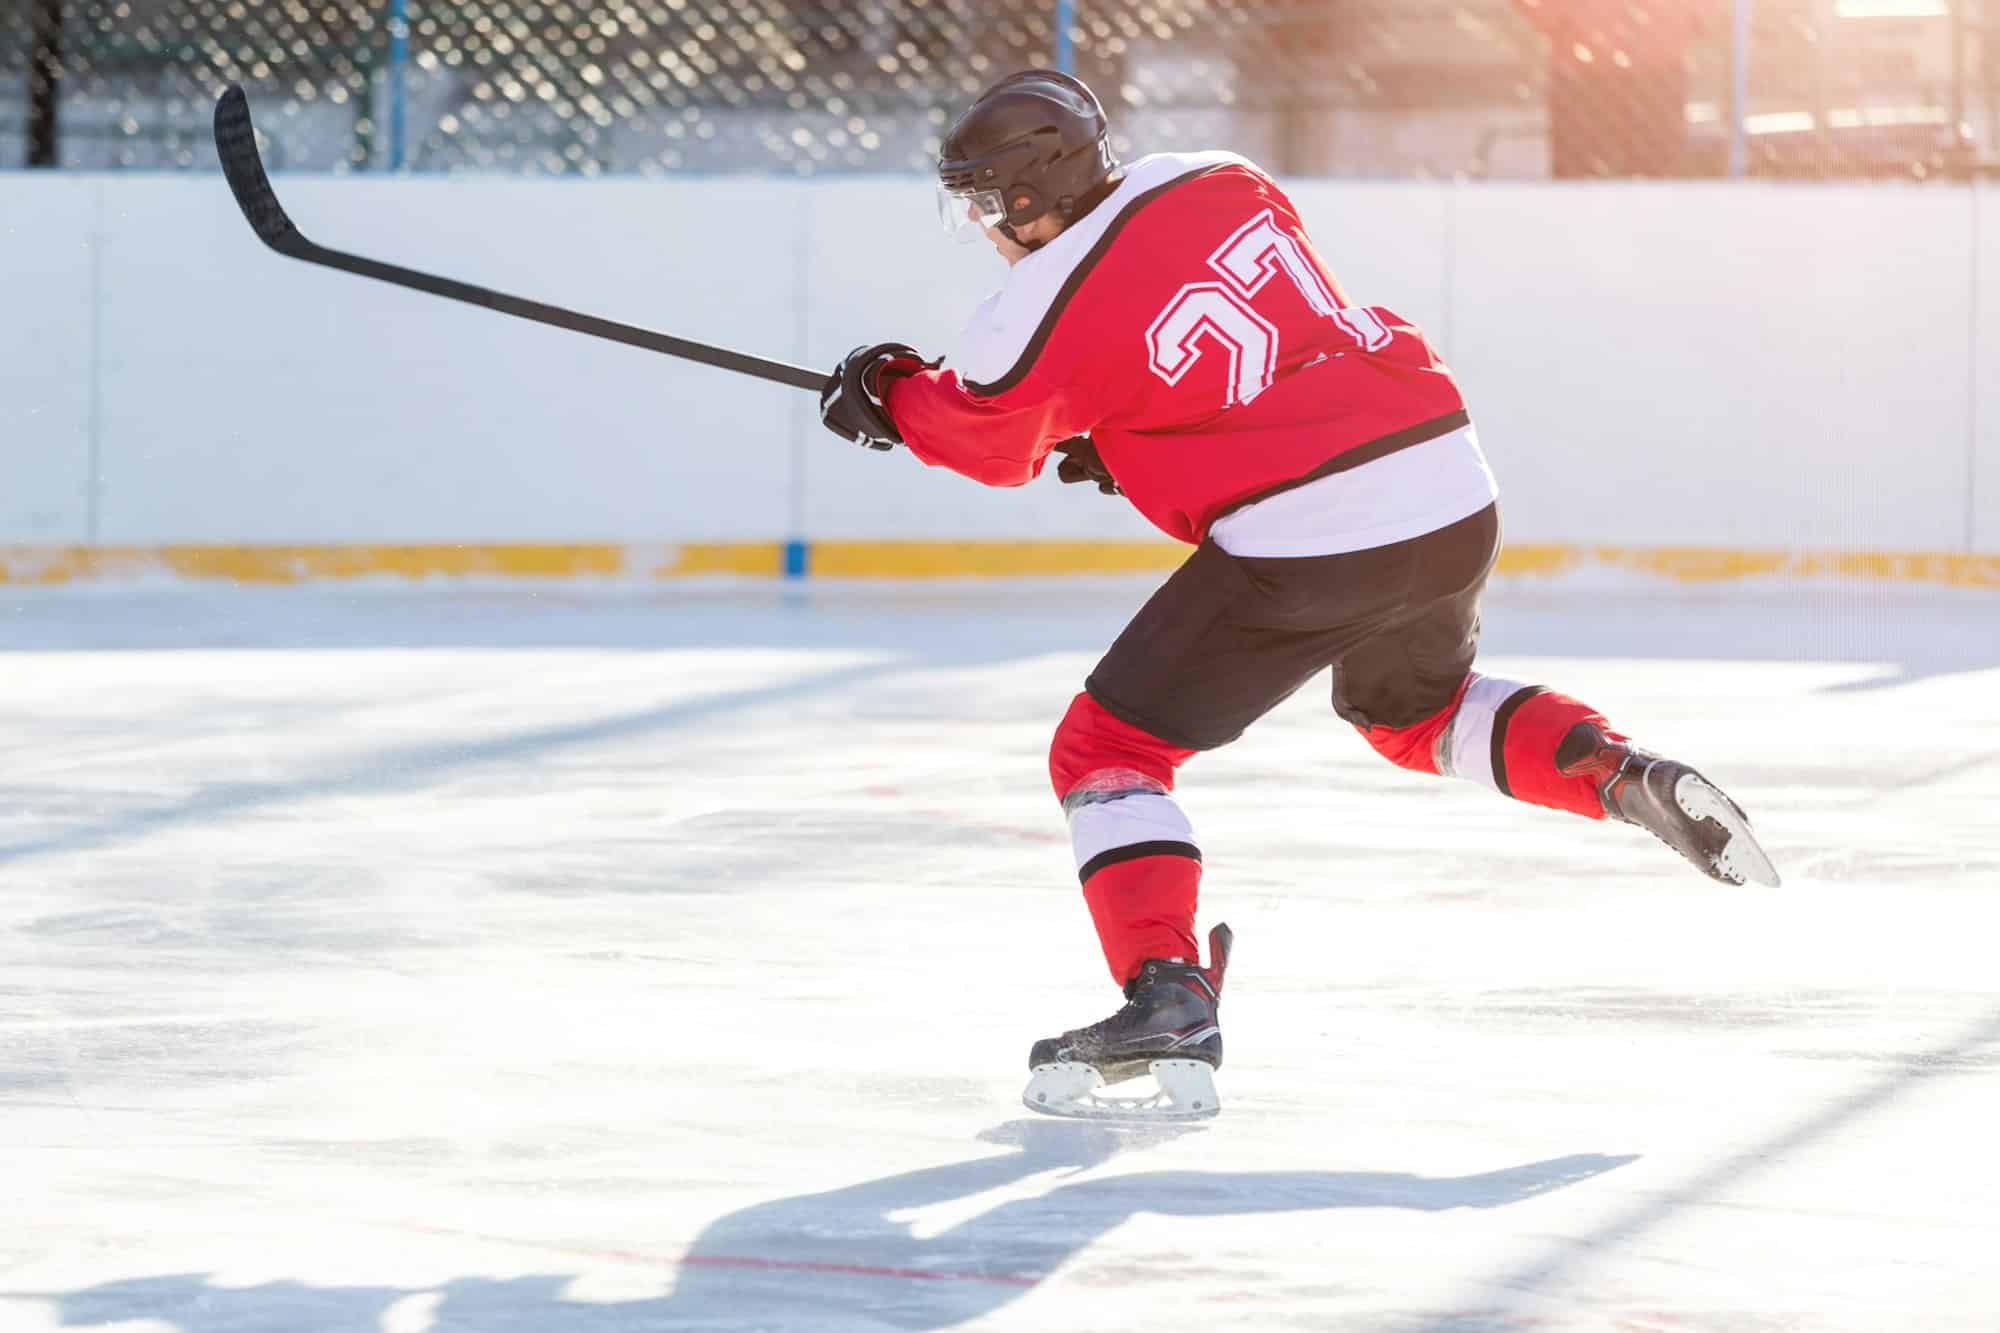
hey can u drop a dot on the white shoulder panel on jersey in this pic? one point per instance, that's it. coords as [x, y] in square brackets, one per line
[1003, 328]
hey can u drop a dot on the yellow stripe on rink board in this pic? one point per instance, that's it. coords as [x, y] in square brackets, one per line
[300, 564]
[27, 565]
[989, 559]
[1695, 564]
[1677, 564]
[764, 560]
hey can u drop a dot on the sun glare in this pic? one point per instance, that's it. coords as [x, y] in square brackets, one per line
[1892, 9]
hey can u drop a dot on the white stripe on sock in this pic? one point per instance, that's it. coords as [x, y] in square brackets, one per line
[1141, 817]
[1465, 750]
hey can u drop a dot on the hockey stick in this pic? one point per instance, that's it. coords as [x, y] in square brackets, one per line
[236, 144]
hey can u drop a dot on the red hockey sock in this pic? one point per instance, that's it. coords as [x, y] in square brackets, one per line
[1135, 850]
[1144, 908]
[1528, 742]
[1416, 747]
[1501, 734]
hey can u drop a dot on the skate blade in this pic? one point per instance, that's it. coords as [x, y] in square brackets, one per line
[1741, 858]
[1185, 1091]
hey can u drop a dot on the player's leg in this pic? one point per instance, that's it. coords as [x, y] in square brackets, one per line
[1203, 659]
[1197, 665]
[1135, 850]
[1412, 691]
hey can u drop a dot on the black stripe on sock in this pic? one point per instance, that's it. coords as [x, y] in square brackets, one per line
[1133, 851]
[1501, 717]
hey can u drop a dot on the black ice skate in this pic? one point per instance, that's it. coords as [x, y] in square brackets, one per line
[1168, 1028]
[1671, 801]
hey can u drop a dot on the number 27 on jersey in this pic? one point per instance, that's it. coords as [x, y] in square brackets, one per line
[1221, 311]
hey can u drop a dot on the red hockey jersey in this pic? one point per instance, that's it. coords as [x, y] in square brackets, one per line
[1187, 325]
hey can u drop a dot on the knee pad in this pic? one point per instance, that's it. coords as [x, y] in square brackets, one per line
[1135, 850]
[1094, 751]
[1419, 746]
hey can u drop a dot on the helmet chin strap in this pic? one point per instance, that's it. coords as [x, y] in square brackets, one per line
[1007, 229]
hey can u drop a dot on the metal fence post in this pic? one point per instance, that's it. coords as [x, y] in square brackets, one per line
[399, 59]
[1739, 91]
[1962, 154]
[45, 70]
[1065, 49]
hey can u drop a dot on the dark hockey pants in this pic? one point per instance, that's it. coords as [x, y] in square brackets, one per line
[1225, 640]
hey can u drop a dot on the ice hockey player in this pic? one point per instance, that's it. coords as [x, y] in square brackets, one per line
[1167, 327]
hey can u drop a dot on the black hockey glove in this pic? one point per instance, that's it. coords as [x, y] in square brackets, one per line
[1081, 463]
[850, 402]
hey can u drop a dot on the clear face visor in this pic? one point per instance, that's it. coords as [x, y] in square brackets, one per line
[967, 214]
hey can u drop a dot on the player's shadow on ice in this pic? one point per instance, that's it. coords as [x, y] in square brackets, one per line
[969, 1268]
[866, 1255]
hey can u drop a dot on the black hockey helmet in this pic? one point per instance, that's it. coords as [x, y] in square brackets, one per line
[1035, 141]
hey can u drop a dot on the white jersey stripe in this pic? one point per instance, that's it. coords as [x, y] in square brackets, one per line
[1392, 499]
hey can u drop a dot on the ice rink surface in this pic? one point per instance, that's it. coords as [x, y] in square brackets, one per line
[619, 959]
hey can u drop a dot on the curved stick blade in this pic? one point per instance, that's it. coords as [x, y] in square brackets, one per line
[236, 145]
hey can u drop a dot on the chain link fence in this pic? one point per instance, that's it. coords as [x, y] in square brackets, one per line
[1377, 88]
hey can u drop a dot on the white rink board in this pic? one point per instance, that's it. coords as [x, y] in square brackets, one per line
[1760, 366]
[45, 354]
[1986, 360]
[1673, 363]
[606, 961]
[259, 399]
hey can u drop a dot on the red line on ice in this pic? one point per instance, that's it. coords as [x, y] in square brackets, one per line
[742, 1261]
[853, 1270]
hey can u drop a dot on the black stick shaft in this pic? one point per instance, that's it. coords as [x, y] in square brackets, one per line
[236, 145]
[744, 363]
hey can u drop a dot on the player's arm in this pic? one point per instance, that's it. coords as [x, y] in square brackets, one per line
[886, 395]
[1003, 440]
